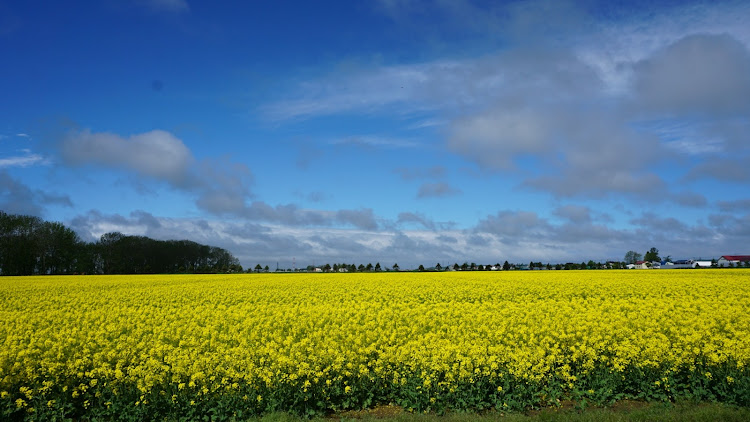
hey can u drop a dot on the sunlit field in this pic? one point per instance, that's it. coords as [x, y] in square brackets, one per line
[233, 346]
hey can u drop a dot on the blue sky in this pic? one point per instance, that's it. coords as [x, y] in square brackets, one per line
[383, 131]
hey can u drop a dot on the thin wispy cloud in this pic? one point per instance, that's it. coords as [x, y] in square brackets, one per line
[25, 160]
[376, 142]
[437, 190]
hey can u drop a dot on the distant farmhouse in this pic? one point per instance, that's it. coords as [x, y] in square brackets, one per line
[682, 263]
[640, 265]
[733, 260]
[724, 261]
[700, 263]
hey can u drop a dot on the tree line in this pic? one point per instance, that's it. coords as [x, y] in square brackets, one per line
[32, 246]
[506, 266]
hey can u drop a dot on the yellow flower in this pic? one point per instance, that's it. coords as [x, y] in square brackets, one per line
[221, 334]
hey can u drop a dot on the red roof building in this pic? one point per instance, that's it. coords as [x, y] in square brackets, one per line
[726, 260]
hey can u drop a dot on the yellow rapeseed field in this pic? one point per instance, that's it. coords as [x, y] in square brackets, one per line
[224, 346]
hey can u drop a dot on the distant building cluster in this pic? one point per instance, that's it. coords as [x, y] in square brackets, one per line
[726, 261]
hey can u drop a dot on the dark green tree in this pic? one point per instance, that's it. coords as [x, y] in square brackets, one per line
[631, 257]
[652, 255]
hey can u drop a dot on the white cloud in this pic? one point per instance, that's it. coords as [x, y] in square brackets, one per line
[574, 213]
[698, 73]
[220, 186]
[419, 218]
[26, 160]
[437, 190]
[415, 87]
[156, 154]
[738, 205]
[18, 198]
[375, 142]
[292, 215]
[725, 170]
[581, 96]
[516, 236]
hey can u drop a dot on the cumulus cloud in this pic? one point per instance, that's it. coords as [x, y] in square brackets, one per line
[688, 199]
[598, 183]
[362, 219]
[293, 215]
[250, 242]
[557, 125]
[157, 153]
[18, 198]
[569, 115]
[534, 236]
[437, 190]
[220, 186]
[731, 230]
[574, 213]
[738, 205]
[510, 226]
[699, 73]
[418, 218]
[721, 168]
[516, 236]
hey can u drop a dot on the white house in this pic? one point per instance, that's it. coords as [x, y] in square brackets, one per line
[701, 263]
[642, 265]
[726, 260]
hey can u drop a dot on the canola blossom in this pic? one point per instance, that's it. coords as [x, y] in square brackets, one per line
[234, 346]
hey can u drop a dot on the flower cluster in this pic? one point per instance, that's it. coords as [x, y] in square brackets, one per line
[155, 346]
